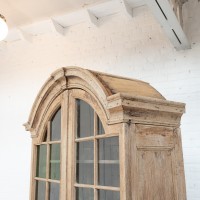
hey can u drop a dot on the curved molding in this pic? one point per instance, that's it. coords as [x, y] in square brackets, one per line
[117, 108]
[91, 80]
[59, 81]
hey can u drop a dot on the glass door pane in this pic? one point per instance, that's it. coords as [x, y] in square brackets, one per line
[40, 190]
[85, 119]
[108, 161]
[54, 190]
[91, 148]
[108, 195]
[41, 161]
[85, 162]
[56, 126]
[54, 161]
[84, 194]
[100, 129]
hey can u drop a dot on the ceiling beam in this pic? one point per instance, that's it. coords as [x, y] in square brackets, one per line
[126, 8]
[57, 28]
[25, 36]
[169, 22]
[91, 18]
[3, 45]
[167, 13]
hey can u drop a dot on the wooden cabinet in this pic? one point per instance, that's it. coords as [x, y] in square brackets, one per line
[101, 137]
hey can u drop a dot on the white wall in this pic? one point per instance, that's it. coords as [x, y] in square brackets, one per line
[135, 48]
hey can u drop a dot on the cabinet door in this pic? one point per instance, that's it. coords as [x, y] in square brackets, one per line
[77, 158]
[47, 173]
[93, 159]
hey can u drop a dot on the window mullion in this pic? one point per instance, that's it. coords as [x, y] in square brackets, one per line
[47, 191]
[95, 159]
[48, 159]
[64, 145]
[33, 171]
[48, 150]
[47, 171]
[95, 169]
[71, 165]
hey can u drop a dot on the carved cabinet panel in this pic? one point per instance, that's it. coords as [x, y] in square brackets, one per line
[156, 162]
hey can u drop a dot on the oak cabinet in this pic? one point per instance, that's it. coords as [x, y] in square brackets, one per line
[97, 136]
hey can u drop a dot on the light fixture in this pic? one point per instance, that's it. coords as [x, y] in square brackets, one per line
[3, 28]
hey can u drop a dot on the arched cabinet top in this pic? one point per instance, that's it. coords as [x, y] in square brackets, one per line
[111, 92]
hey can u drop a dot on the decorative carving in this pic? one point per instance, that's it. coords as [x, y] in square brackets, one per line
[56, 84]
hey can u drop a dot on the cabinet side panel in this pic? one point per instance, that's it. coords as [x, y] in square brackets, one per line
[159, 175]
[180, 182]
[155, 175]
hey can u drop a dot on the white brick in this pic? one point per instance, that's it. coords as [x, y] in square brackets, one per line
[136, 48]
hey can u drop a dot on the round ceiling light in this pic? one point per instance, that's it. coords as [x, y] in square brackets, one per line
[3, 28]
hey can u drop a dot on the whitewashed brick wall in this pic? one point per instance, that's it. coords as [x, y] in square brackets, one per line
[135, 48]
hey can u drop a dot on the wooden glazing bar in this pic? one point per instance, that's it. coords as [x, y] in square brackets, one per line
[84, 139]
[95, 162]
[106, 135]
[95, 194]
[48, 162]
[40, 179]
[64, 145]
[71, 165]
[33, 172]
[95, 158]
[47, 191]
[97, 137]
[99, 187]
[53, 181]
[84, 185]
[95, 168]
[51, 142]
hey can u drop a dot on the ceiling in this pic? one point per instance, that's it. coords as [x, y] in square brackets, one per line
[29, 18]
[24, 12]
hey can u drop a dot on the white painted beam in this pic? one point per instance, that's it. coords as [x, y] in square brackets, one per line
[91, 18]
[3, 45]
[169, 22]
[160, 8]
[57, 28]
[25, 36]
[126, 8]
